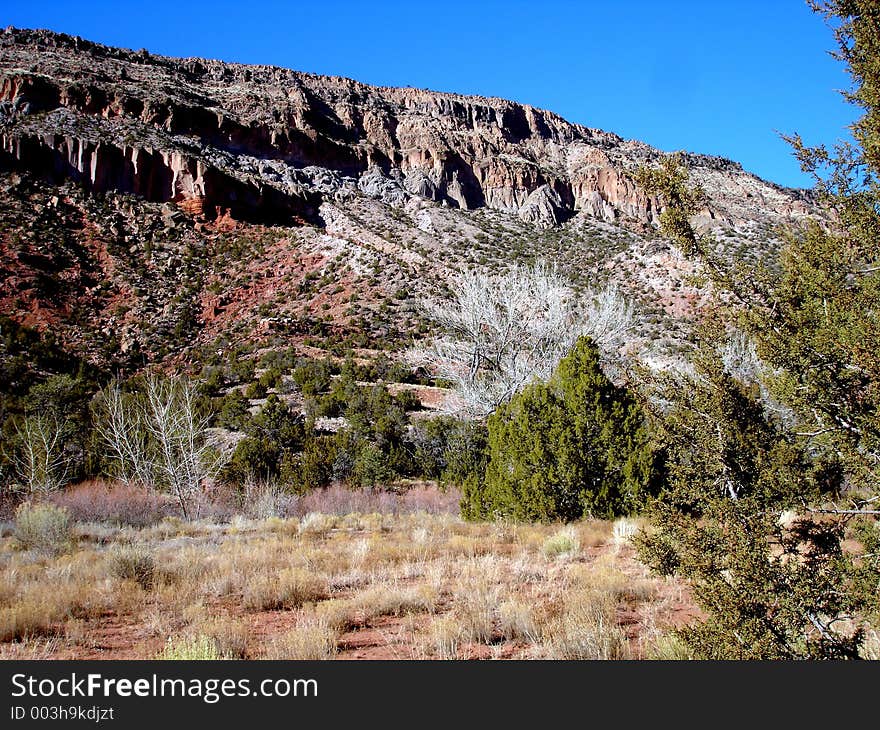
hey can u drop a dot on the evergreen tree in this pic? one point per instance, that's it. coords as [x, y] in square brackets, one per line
[576, 445]
[752, 515]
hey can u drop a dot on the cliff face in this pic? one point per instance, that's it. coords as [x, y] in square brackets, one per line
[270, 145]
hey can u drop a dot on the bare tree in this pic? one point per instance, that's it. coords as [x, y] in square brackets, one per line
[41, 462]
[122, 428]
[184, 455]
[503, 331]
[159, 439]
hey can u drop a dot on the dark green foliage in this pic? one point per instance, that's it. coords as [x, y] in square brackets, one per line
[769, 592]
[731, 473]
[213, 380]
[232, 411]
[27, 355]
[577, 445]
[278, 423]
[774, 588]
[408, 400]
[255, 390]
[274, 433]
[253, 458]
[313, 376]
[312, 467]
[270, 378]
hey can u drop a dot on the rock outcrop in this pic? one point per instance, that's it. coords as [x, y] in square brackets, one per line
[270, 145]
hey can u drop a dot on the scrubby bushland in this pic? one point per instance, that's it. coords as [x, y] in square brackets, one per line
[577, 445]
[116, 503]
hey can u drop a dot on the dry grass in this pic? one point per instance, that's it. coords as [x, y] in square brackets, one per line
[289, 588]
[586, 629]
[413, 585]
[190, 648]
[310, 641]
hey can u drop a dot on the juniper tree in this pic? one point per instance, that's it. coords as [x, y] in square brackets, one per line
[753, 513]
[576, 445]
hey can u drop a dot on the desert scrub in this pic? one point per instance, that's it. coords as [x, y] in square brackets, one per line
[624, 530]
[443, 638]
[190, 648]
[317, 524]
[516, 620]
[586, 629]
[564, 543]
[26, 619]
[42, 527]
[134, 564]
[230, 636]
[668, 647]
[290, 588]
[310, 641]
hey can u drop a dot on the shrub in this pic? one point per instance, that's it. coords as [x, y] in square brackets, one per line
[586, 629]
[563, 543]
[371, 467]
[313, 376]
[232, 411]
[313, 467]
[42, 527]
[312, 641]
[290, 588]
[408, 400]
[576, 446]
[119, 503]
[230, 636]
[277, 423]
[516, 621]
[444, 637]
[134, 564]
[254, 459]
[255, 390]
[190, 648]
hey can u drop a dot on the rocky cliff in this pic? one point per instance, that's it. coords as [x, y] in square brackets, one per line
[154, 208]
[269, 144]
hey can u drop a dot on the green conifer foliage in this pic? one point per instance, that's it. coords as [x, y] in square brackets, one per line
[577, 445]
[775, 523]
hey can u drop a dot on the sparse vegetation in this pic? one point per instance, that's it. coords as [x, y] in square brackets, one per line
[42, 527]
[407, 585]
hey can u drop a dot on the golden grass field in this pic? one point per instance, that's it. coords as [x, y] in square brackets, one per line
[356, 586]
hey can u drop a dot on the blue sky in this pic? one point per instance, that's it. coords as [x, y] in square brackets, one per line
[713, 77]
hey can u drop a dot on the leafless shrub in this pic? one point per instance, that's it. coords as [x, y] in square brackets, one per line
[121, 426]
[124, 504]
[160, 438]
[185, 456]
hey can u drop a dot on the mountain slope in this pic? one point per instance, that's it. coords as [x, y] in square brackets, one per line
[156, 204]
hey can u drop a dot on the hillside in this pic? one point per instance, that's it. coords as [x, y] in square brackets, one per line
[156, 206]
